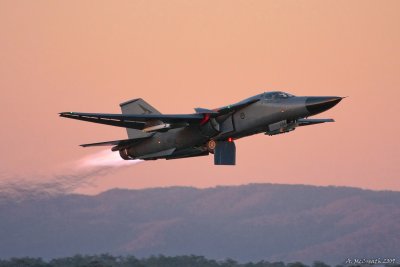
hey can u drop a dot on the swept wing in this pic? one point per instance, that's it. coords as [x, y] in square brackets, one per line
[133, 121]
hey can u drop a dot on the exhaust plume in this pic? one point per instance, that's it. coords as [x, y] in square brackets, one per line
[75, 175]
[105, 158]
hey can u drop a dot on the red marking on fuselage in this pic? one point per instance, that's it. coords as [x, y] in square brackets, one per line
[205, 119]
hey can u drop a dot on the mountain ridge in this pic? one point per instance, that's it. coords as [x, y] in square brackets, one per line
[252, 222]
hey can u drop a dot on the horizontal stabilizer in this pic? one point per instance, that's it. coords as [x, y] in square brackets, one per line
[106, 143]
[118, 143]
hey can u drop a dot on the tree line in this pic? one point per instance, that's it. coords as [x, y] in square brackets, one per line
[107, 260]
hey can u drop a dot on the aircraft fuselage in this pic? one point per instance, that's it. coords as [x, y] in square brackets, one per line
[153, 135]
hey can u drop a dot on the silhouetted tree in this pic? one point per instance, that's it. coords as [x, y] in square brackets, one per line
[229, 263]
[108, 260]
[278, 264]
[319, 264]
[296, 264]
[25, 262]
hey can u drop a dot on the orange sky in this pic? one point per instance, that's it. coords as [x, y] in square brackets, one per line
[91, 55]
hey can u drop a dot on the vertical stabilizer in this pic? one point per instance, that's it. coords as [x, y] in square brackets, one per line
[137, 106]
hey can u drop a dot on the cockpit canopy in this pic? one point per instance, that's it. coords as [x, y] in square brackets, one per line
[276, 95]
[268, 96]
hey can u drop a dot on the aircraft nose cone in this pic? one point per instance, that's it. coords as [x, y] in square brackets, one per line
[318, 104]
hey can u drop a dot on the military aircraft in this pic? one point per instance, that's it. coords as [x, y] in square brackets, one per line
[152, 135]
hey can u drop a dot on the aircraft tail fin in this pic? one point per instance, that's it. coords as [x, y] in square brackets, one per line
[137, 106]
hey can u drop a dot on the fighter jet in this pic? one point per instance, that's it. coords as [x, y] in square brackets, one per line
[152, 135]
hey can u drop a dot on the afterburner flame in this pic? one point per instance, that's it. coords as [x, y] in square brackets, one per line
[106, 158]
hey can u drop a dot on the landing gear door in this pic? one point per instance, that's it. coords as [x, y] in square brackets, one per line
[225, 153]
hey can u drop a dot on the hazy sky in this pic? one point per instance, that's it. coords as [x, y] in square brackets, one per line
[92, 55]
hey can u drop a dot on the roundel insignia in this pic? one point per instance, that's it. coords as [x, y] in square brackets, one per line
[211, 145]
[242, 115]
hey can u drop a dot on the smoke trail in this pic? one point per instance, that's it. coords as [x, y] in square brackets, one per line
[77, 174]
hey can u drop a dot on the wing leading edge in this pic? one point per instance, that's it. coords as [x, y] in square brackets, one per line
[132, 121]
